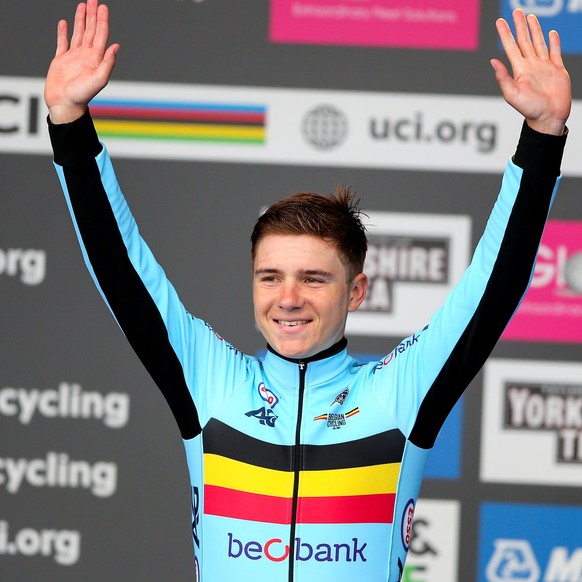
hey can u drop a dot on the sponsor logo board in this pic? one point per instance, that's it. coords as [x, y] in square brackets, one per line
[413, 262]
[433, 553]
[552, 308]
[298, 126]
[529, 543]
[532, 423]
[28, 266]
[450, 24]
[62, 546]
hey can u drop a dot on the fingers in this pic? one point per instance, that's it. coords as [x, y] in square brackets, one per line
[91, 21]
[101, 35]
[555, 48]
[530, 38]
[79, 26]
[509, 45]
[62, 38]
[537, 37]
[522, 33]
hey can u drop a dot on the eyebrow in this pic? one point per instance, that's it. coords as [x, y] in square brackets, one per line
[304, 272]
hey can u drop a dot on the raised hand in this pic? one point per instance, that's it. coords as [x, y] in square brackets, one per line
[81, 68]
[540, 87]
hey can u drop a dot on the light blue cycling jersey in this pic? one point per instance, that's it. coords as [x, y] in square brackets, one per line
[305, 470]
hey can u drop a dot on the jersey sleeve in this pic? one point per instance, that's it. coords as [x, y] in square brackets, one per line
[182, 353]
[424, 376]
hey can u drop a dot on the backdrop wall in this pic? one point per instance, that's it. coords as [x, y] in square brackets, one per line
[395, 98]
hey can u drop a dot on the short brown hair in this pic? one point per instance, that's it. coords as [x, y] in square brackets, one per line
[335, 218]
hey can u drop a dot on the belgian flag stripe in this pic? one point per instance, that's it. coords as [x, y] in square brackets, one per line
[229, 503]
[377, 479]
[380, 449]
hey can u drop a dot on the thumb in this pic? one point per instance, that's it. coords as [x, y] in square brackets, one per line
[108, 62]
[504, 80]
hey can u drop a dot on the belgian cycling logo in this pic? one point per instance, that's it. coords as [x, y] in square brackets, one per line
[341, 397]
[325, 127]
[335, 420]
[512, 560]
[265, 415]
[406, 526]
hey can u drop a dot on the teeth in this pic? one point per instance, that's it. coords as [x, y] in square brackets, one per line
[291, 323]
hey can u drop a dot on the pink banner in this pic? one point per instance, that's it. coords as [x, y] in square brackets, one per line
[442, 24]
[552, 309]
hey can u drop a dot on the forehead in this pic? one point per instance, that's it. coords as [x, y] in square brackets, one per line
[293, 249]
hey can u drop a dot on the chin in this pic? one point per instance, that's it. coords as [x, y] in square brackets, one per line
[292, 352]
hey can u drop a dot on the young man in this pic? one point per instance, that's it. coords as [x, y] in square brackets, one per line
[276, 494]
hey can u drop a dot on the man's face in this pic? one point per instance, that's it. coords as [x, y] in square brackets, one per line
[301, 295]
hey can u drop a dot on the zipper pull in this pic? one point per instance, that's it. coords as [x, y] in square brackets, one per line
[302, 366]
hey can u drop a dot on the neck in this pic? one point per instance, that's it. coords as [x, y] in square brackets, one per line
[331, 351]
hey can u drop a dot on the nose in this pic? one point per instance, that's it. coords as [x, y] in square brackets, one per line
[290, 296]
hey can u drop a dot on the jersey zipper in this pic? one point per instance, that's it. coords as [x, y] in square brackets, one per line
[296, 468]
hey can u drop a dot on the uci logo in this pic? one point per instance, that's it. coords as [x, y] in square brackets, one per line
[19, 114]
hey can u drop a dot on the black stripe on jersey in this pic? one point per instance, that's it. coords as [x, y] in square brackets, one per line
[126, 294]
[506, 286]
[221, 439]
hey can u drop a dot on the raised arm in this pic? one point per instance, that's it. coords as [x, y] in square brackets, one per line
[81, 68]
[540, 87]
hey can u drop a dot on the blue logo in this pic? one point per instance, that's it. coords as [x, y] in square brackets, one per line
[267, 395]
[563, 15]
[265, 416]
[530, 543]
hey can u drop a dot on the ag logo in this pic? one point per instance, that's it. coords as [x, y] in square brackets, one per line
[265, 416]
[512, 560]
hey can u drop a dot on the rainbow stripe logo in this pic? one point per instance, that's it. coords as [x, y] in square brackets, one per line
[180, 121]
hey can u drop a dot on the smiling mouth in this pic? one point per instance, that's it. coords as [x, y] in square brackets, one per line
[291, 323]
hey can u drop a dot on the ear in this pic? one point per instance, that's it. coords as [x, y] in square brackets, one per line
[358, 290]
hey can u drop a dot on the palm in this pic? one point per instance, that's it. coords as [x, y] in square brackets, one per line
[540, 88]
[82, 68]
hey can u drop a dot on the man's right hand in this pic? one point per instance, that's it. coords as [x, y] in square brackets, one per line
[81, 68]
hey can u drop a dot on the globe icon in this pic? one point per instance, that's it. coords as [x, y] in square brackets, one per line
[325, 127]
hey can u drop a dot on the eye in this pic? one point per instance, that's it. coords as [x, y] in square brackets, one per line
[268, 279]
